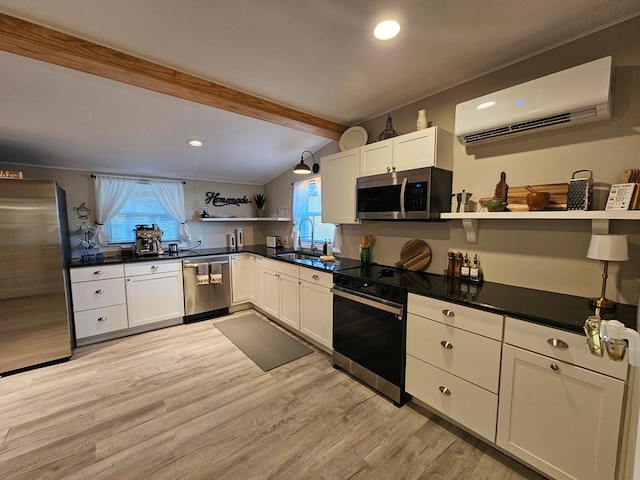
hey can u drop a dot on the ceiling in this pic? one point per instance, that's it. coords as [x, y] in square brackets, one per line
[317, 58]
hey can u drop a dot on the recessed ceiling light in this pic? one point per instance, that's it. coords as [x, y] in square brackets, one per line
[386, 30]
[194, 142]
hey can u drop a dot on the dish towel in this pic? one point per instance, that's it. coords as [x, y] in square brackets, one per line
[337, 239]
[202, 274]
[216, 273]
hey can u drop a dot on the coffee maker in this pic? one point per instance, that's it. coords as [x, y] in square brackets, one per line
[148, 240]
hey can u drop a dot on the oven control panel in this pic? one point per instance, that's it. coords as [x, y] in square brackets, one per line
[373, 288]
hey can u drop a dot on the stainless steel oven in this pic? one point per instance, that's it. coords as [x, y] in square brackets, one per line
[369, 331]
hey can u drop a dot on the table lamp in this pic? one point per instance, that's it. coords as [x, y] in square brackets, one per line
[610, 248]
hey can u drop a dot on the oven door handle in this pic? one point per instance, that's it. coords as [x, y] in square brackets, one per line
[371, 302]
[403, 189]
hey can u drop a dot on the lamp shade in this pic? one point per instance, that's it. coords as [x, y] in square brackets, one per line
[302, 168]
[612, 248]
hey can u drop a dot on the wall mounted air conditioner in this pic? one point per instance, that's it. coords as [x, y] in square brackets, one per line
[577, 95]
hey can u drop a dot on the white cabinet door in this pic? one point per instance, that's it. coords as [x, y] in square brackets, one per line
[560, 418]
[339, 173]
[241, 282]
[290, 301]
[154, 298]
[462, 401]
[376, 158]
[271, 292]
[255, 275]
[415, 150]
[316, 313]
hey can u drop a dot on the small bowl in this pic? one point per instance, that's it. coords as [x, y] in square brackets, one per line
[538, 200]
[496, 205]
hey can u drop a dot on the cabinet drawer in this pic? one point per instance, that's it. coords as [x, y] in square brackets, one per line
[146, 268]
[100, 320]
[470, 319]
[472, 357]
[569, 347]
[282, 267]
[103, 293]
[95, 272]
[318, 278]
[461, 401]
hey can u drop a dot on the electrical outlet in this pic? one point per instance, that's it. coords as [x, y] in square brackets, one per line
[199, 238]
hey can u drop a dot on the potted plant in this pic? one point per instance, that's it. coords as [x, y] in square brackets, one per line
[260, 200]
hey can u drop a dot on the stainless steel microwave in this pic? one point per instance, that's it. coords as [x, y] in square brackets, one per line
[419, 194]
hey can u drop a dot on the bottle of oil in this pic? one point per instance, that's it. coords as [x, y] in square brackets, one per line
[465, 270]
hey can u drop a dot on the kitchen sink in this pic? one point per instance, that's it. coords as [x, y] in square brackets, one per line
[307, 259]
[297, 256]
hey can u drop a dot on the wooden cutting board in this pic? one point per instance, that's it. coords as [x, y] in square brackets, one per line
[415, 255]
[517, 196]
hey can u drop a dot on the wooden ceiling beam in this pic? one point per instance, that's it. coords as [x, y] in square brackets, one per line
[34, 41]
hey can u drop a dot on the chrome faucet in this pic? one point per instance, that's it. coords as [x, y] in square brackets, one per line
[313, 247]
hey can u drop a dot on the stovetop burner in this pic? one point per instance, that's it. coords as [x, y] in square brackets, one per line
[380, 280]
[386, 272]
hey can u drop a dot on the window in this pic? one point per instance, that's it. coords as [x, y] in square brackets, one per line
[142, 208]
[307, 204]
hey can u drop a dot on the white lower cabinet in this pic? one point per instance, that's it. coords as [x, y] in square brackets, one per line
[154, 292]
[453, 362]
[244, 278]
[300, 298]
[290, 301]
[281, 292]
[316, 306]
[559, 417]
[99, 301]
[457, 399]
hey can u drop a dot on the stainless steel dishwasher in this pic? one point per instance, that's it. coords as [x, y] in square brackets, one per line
[207, 287]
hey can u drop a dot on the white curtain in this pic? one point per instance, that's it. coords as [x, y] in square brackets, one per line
[112, 194]
[171, 198]
[300, 190]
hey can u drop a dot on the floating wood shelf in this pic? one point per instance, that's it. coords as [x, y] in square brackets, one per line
[599, 218]
[246, 219]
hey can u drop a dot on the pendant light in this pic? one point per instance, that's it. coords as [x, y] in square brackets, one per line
[302, 168]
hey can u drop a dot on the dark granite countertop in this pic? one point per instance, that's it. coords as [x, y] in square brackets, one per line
[261, 250]
[558, 310]
[567, 312]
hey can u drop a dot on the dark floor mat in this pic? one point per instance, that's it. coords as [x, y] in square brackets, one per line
[263, 343]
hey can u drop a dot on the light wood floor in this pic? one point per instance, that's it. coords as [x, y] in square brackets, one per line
[184, 402]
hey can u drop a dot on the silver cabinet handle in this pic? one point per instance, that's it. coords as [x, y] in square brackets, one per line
[448, 313]
[444, 390]
[446, 344]
[102, 319]
[557, 343]
[99, 291]
[316, 277]
[555, 367]
[98, 272]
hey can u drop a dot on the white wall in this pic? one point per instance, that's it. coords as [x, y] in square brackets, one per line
[78, 186]
[545, 255]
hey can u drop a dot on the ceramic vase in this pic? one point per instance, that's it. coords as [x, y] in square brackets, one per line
[421, 123]
[365, 255]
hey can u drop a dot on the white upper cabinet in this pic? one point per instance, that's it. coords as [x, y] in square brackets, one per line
[431, 147]
[376, 158]
[339, 173]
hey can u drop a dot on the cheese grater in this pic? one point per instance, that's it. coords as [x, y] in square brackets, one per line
[580, 196]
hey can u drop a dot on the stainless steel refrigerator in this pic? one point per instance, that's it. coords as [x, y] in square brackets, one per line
[34, 287]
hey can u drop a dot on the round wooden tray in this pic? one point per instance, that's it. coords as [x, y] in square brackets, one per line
[415, 255]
